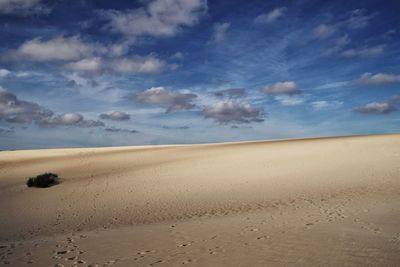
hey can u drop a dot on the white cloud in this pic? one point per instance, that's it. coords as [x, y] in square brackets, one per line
[375, 108]
[14, 110]
[219, 32]
[115, 116]
[340, 44]
[4, 73]
[91, 65]
[324, 31]
[284, 88]
[378, 79]
[231, 93]
[389, 34]
[270, 16]
[357, 19]
[178, 55]
[22, 7]
[70, 119]
[59, 48]
[323, 104]
[119, 49]
[88, 57]
[363, 52]
[343, 40]
[333, 85]
[134, 65]
[380, 107]
[232, 111]
[289, 100]
[6, 130]
[144, 65]
[170, 100]
[158, 18]
[66, 119]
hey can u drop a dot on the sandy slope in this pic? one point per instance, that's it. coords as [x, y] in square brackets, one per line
[328, 202]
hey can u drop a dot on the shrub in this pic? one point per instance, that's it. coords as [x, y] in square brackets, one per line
[43, 180]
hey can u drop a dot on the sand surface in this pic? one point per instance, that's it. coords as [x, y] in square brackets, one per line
[311, 202]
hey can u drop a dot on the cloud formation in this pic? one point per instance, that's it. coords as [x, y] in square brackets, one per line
[324, 31]
[143, 65]
[219, 32]
[6, 130]
[59, 48]
[281, 88]
[159, 18]
[89, 65]
[22, 7]
[185, 127]
[363, 52]
[69, 119]
[375, 108]
[378, 79]
[84, 56]
[287, 100]
[339, 44]
[323, 104]
[231, 93]
[14, 110]
[4, 73]
[270, 16]
[232, 111]
[356, 19]
[126, 65]
[170, 100]
[115, 116]
[380, 107]
[120, 130]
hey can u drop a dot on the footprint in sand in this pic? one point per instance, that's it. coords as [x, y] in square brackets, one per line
[146, 251]
[263, 237]
[308, 225]
[156, 262]
[377, 230]
[187, 261]
[111, 262]
[215, 250]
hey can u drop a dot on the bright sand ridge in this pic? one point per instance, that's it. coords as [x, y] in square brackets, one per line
[309, 189]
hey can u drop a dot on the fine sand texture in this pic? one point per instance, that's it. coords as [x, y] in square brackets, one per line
[309, 202]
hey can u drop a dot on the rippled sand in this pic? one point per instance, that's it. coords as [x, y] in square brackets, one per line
[310, 202]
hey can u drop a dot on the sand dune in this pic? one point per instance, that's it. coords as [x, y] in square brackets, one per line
[321, 202]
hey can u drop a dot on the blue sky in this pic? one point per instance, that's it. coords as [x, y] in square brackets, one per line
[107, 73]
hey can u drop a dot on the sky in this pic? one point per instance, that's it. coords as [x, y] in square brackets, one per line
[91, 73]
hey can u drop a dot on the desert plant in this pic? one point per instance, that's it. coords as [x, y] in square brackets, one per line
[42, 180]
